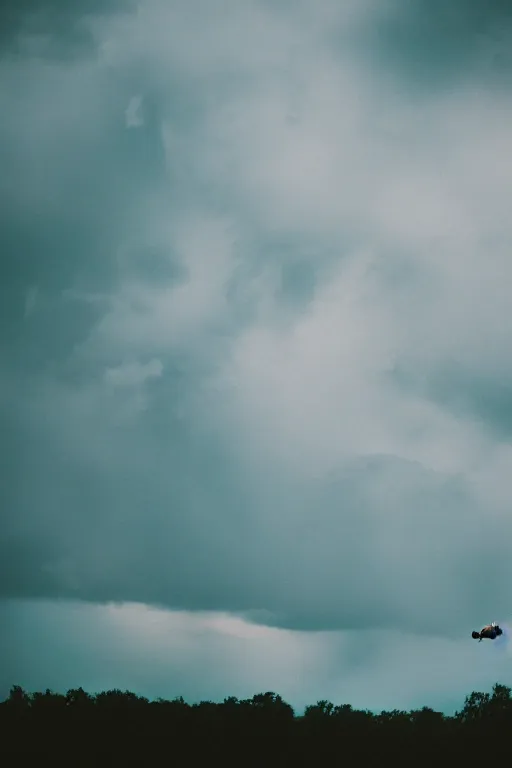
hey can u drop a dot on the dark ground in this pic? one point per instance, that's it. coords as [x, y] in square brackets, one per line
[118, 728]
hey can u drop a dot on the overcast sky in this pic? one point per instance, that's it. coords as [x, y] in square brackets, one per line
[256, 381]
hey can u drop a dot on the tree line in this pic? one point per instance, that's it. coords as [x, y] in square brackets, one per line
[117, 727]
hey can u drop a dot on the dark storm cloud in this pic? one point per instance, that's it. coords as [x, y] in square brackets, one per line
[436, 45]
[469, 393]
[56, 25]
[201, 306]
[72, 175]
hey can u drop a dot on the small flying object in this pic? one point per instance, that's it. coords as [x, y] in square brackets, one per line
[491, 631]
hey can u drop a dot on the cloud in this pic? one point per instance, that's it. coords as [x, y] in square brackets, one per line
[210, 656]
[134, 118]
[270, 372]
[133, 374]
[53, 28]
[31, 300]
[438, 46]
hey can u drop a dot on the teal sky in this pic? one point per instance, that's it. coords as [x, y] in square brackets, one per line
[255, 377]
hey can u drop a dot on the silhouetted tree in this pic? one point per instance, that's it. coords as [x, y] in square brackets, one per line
[117, 727]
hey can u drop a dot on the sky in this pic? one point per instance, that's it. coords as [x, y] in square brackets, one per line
[255, 379]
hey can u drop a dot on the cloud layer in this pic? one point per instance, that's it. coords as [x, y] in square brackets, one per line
[210, 656]
[256, 311]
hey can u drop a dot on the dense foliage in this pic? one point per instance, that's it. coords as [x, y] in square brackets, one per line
[120, 728]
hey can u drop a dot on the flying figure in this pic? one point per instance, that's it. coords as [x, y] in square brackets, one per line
[491, 631]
